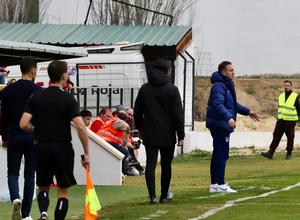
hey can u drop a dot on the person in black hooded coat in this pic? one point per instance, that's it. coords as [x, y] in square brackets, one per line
[159, 116]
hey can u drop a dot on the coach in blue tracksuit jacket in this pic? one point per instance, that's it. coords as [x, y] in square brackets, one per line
[220, 120]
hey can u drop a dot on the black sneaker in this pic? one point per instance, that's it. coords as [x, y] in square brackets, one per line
[142, 172]
[268, 154]
[288, 155]
[163, 200]
[153, 201]
[166, 199]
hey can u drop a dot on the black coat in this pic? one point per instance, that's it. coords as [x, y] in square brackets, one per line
[158, 111]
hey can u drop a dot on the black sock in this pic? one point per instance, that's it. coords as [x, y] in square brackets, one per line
[43, 201]
[61, 208]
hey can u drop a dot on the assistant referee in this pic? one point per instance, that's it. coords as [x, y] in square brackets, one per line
[51, 112]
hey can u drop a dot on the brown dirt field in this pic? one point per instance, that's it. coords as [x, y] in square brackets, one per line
[260, 94]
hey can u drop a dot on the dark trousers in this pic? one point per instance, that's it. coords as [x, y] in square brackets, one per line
[20, 145]
[166, 154]
[133, 159]
[220, 156]
[123, 150]
[287, 128]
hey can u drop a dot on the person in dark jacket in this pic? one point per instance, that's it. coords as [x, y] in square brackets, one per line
[158, 115]
[19, 144]
[221, 116]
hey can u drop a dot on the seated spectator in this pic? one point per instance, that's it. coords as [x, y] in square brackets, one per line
[104, 115]
[86, 117]
[135, 144]
[116, 132]
[130, 121]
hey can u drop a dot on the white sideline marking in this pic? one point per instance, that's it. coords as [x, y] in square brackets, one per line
[157, 214]
[231, 203]
[270, 203]
[215, 195]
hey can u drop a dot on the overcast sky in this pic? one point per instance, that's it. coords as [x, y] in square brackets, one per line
[66, 11]
[259, 36]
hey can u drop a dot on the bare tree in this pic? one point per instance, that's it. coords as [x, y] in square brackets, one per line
[23, 11]
[110, 12]
[12, 10]
[43, 6]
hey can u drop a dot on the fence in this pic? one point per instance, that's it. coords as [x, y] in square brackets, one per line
[94, 98]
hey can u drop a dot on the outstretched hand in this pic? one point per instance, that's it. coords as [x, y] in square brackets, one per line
[255, 116]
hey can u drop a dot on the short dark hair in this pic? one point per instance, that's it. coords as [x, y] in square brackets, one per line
[120, 114]
[27, 63]
[104, 110]
[56, 69]
[222, 66]
[288, 81]
[85, 113]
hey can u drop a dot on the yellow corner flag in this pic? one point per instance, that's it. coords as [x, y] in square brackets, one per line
[92, 204]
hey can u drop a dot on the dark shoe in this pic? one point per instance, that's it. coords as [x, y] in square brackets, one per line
[166, 199]
[142, 173]
[268, 154]
[163, 201]
[288, 156]
[153, 201]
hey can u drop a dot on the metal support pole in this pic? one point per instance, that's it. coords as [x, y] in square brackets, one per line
[193, 89]
[184, 87]
[131, 97]
[88, 12]
[173, 71]
[98, 101]
[77, 85]
[121, 96]
[109, 96]
[84, 98]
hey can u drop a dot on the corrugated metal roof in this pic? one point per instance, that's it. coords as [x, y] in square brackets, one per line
[66, 34]
[11, 52]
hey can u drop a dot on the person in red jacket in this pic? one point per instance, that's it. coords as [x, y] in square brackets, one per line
[104, 115]
[116, 132]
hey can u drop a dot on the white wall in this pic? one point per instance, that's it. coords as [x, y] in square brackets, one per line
[4, 192]
[106, 164]
[106, 161]
[203, 140]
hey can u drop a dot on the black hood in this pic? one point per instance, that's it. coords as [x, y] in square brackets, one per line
[156, 75]
[158, 78]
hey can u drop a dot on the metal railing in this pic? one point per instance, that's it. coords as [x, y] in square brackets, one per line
[94, 98]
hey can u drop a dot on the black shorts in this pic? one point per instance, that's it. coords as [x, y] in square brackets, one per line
[55, 159]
